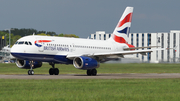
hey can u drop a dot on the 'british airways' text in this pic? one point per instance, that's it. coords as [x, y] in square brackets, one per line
[54, 48]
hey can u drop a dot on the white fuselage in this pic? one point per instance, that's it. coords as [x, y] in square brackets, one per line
[55, 49]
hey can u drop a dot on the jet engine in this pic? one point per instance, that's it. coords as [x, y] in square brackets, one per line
[24, 64]
[85, 63]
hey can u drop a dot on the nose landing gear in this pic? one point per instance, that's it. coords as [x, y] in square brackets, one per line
[31, 72]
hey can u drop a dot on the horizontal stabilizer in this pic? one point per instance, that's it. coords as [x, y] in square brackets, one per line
[133, 48]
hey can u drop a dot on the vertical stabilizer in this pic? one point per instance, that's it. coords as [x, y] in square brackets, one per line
[121, 32]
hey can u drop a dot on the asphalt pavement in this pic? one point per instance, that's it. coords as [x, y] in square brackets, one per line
[98, 76]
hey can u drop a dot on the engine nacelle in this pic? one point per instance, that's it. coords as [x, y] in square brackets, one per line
[24, 64]
[85, 63]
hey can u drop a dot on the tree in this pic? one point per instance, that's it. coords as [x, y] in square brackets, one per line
[23, 32]
[52, 33]
[4, 33]
[43, 34]
[68, 35]
[15, 38]
[71, 35]
[61, 35]
[39, 32]
[18, 33]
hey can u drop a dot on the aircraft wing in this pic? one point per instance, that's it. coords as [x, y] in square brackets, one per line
[123, 52]
[120, 53]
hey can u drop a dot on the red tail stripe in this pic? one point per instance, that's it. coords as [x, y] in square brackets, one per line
[125, 20]
[122, 40]
[131, 46]
[119, 39]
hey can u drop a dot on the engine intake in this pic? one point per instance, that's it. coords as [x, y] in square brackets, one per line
[85, 63]
[24, 64]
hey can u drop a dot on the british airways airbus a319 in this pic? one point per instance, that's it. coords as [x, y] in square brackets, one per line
[86, 54]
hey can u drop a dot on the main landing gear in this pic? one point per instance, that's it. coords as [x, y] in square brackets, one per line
[53, 70]
[31, 72]
[92, 72]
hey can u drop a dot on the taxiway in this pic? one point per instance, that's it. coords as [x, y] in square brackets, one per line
[99, 76]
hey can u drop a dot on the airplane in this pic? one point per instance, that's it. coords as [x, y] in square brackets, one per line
[86, 54]
[5, 53]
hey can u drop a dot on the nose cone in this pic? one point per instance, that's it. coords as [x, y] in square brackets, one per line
[14, 50]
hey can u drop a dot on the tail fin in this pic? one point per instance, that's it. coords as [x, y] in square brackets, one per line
[121, 32]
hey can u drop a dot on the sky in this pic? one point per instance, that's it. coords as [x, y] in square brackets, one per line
[83, 17]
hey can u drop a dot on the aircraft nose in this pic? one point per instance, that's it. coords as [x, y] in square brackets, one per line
[15, 51]
[12, 49]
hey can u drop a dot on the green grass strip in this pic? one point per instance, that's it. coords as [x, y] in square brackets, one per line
[104, 68]
[90, 90]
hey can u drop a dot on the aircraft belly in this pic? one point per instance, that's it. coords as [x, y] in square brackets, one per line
[43, 57]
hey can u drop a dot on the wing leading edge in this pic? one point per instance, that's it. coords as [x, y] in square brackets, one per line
[120, 54]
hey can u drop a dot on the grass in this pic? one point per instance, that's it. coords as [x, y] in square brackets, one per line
[104, 68]
[90, 90]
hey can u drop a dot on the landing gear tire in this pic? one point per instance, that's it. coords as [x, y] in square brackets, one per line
[92, 72]
[53, 71]
[30, 72]
[56, 71]
[89, 72]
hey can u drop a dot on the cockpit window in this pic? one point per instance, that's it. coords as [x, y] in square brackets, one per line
[21, 42]
[26, 43]
[16, 42]
[30, 43]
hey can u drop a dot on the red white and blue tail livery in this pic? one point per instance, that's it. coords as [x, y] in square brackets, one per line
[121, 32]
[86, 54]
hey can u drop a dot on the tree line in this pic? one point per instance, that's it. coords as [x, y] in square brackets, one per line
[18, 33]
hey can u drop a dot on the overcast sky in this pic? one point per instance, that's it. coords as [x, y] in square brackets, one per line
[83, 17]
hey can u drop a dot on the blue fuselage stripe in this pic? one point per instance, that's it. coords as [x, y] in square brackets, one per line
[43, 57]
